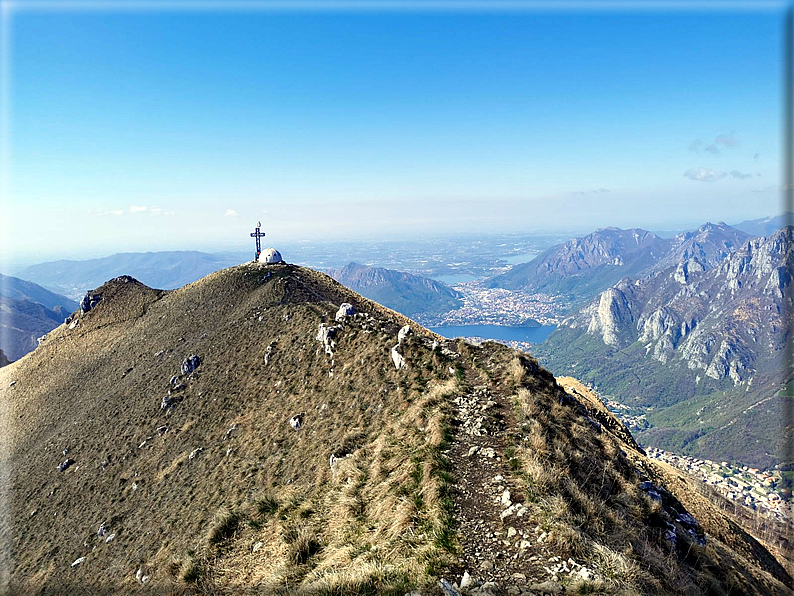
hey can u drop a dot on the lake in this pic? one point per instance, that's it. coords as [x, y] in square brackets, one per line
[499, 332]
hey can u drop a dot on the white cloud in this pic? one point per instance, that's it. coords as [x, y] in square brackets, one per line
[695, 145]
[739, 175]
[703, 174]
[581, 193]
[230, 213]
[136, 209]
[156, 211]
[712, 149]
[728, 140]
[109, 212]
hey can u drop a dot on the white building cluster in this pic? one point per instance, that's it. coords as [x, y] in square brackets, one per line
[759, 490]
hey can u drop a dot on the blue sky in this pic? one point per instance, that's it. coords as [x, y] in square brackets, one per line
[154, 130]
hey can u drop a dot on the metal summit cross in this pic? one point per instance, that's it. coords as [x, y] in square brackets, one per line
[257, 234]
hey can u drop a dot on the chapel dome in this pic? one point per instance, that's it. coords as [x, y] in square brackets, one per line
[270, 255]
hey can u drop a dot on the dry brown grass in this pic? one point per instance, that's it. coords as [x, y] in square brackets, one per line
[382, 509]
[584, 492]
[379, 522]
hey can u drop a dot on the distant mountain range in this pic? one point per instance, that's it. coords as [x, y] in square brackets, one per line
[699, 337]
[409, 294]
[22, 322]
[165, 270]
[583, 267]
[765, 226]
[19, 289]
[27, 311]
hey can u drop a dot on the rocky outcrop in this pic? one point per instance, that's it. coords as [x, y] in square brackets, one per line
[396, 357]
[327, 336]
[190, 364]
[702, 249]
[612, 317]
[715, 319]
[89, 302]
[345, 310]
[684, 270]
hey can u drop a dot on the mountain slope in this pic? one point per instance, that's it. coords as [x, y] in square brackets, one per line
[415, 296]
[708, 245]
[765, 226]
[300, 454]
[166, 269]
[22, 322]
[585, 266]
[703, 347]
[19, 289]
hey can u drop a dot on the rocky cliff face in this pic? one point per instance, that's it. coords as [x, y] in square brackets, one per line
[698, 346]
[717, 319]
[584, 267]
[611, 316]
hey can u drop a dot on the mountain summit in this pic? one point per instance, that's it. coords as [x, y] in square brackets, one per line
[586, 265]
[266, 429]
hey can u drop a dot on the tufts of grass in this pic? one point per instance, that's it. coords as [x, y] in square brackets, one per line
[267, 505]
[302, 546]
[191, 570]
[223, 526]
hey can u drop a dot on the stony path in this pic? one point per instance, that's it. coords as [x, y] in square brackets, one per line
[499, 541]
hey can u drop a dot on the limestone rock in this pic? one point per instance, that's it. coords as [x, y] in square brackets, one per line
[89, 301]
[403, 333]
[611, 317]
[397, 358]
[141, 576]
[190, 364]
[447, 588]
[345, 310]
[268, 352]
[327, 336]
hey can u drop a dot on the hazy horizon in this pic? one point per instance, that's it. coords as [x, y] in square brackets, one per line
[246, 245]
